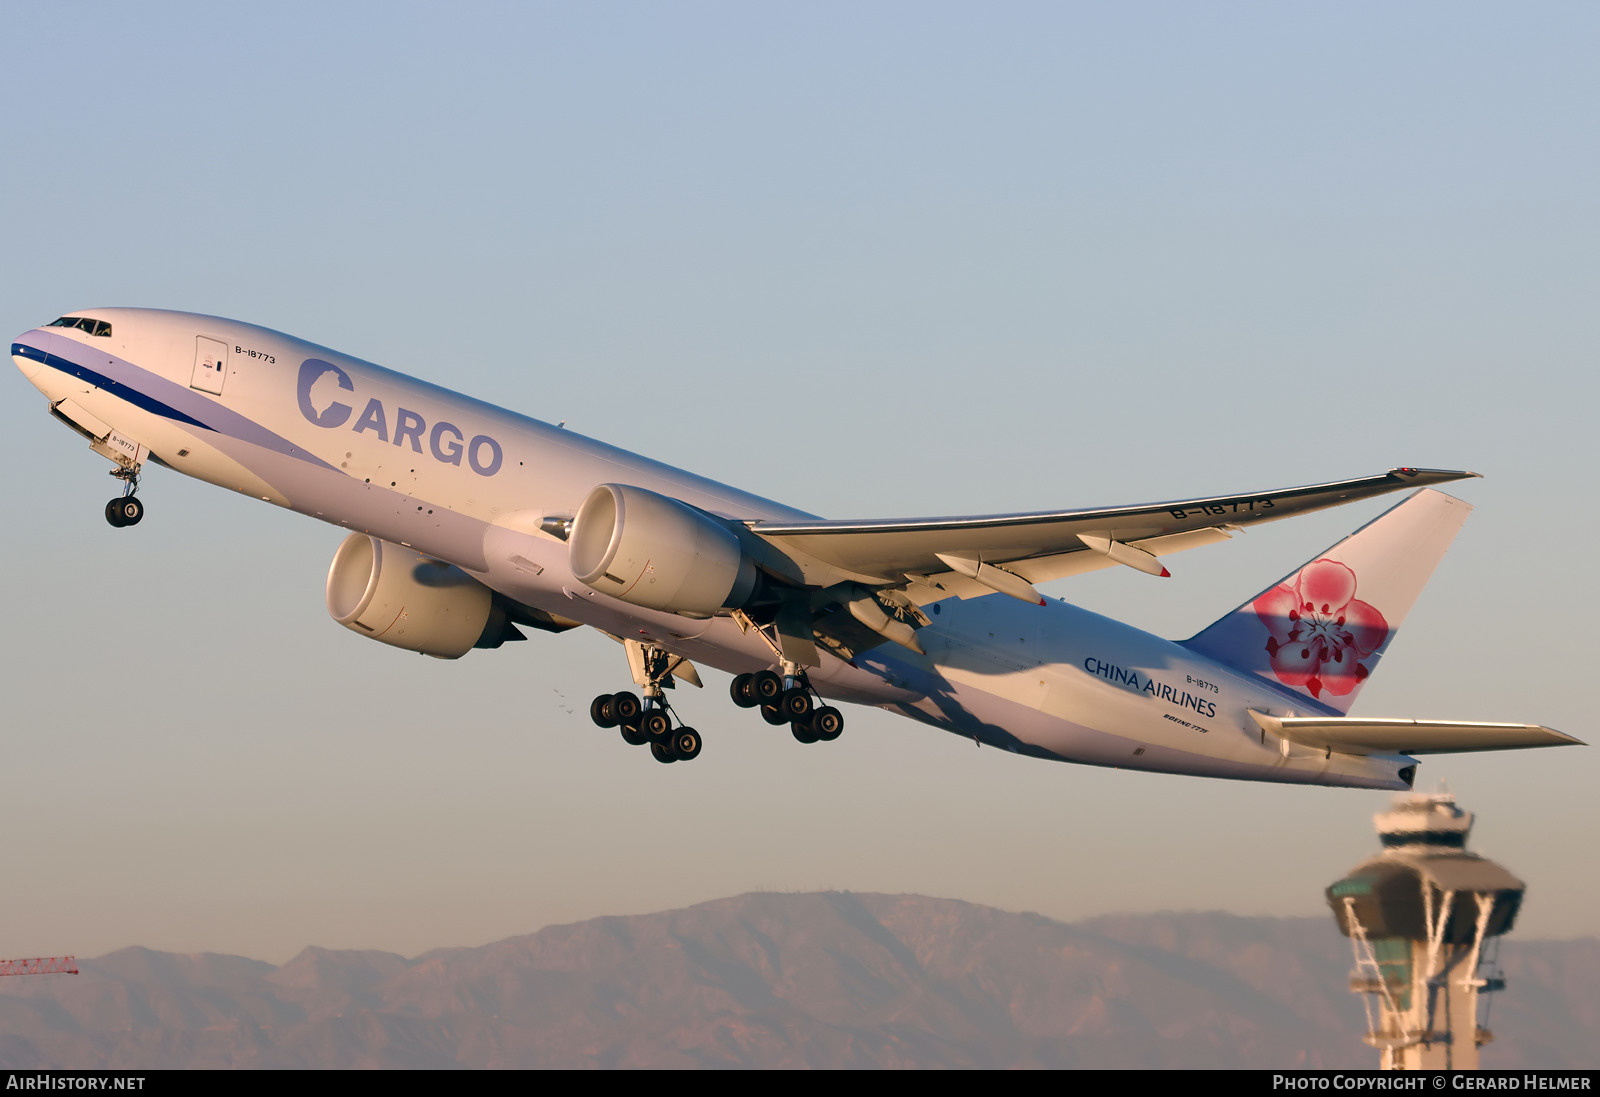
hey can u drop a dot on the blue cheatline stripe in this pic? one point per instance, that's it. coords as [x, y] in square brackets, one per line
[115, 387]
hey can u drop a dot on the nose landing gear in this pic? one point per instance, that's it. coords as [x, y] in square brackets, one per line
[127, 508]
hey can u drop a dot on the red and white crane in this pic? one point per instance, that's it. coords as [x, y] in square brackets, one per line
[43, 965]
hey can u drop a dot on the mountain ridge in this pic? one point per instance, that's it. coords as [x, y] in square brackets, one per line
[772, 979]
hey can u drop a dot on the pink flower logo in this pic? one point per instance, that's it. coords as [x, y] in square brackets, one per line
[1320, 630]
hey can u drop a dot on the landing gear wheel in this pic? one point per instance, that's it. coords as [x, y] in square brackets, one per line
[741, 692]
[125, 510]
[773, 715]
[626, 707]
[633, 736]
[662, 753]
[804, 730]
[828, 723]
[766, 687]
[795, 704]
[600, 712]
[655, 724]
[686, 743]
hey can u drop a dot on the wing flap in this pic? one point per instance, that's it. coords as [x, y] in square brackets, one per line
[926, 589]
[1382, 735]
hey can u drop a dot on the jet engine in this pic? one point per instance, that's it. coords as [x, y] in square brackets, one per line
[652, 551]
[398, 596]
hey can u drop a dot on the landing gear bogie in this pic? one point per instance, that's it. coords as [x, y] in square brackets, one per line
[782, 699]
[788, 699]
[647, 722]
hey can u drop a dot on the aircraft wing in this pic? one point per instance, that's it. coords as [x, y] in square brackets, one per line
[1355, 735]
[934, 558]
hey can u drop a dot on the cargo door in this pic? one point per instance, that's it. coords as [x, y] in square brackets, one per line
[210, 365]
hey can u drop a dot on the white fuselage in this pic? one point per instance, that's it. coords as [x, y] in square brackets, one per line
[371, 450]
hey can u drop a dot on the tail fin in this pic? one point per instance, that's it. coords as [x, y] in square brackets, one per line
[1323, 629]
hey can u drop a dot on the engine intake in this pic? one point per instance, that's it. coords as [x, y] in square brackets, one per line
[398, 596]
[653, 551]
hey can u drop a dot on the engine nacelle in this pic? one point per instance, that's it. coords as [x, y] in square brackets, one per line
[652, 551]
[397, 596]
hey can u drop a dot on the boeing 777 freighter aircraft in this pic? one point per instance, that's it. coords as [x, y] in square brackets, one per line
[469, 521]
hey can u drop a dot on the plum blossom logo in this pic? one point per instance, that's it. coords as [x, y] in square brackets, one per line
[1320, 631]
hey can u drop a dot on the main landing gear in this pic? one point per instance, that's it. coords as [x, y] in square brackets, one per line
[788, 699]
[127, 508]
[650, 720]
[644, 722]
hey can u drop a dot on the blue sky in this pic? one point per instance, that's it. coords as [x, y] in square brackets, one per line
[879, 260]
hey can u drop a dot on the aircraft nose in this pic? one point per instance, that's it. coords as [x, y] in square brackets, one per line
[29, 360]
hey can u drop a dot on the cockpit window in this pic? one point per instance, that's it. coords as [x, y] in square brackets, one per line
[83, 323]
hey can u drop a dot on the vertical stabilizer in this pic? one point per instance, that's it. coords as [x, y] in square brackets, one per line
[1322, 630]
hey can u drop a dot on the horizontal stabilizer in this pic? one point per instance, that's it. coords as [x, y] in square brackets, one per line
[1356, 735]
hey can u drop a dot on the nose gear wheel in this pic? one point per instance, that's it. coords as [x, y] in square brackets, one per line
[127, 508]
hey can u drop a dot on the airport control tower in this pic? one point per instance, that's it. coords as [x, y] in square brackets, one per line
[1418, 916]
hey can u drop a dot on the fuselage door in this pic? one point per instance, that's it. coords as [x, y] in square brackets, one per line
[210, 365]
